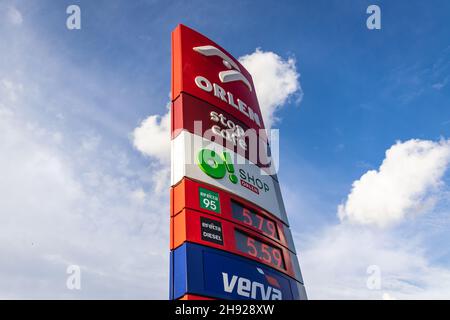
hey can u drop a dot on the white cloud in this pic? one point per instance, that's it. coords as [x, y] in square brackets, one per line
[70, 191]
[11, 89]
[55, 212]
[152, 137]
[276, 80]
[387, 296]
[14, 15]
[335, 258]
[335, 265]
[407, 183]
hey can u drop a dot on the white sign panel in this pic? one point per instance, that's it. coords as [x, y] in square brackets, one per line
[200, 159]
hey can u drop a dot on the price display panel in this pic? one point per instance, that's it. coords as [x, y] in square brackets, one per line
[208, 199]
[266, 226]
[271, 255]
[200, 228]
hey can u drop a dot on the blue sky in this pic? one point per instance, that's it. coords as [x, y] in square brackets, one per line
[72, 99]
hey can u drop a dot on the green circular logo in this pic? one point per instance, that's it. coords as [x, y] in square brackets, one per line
[216, 166]
[211, 164]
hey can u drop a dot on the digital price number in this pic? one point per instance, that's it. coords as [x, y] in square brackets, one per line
[266, 226]
[255, 248]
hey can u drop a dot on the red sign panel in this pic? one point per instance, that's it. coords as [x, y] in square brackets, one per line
[201, 118]
[207, 199]
[205, 70]
[200, 228]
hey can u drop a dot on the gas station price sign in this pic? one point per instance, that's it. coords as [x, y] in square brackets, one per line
[211, 200]
[264, 252]
[248, 217]
[229, 232]
[214, 231]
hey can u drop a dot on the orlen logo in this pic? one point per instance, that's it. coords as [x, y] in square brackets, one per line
[232, 75]
[217, 167]
[252, 289]
[234, 72]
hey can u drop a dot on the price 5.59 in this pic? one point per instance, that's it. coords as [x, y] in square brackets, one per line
[258, 249]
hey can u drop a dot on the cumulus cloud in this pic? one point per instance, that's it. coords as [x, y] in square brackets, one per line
[407, 183]
[152, 137]
[71, 193]
[340, 261]
[276, 80]
[62, 207]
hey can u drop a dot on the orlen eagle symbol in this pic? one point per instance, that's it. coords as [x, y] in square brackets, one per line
[234, 74]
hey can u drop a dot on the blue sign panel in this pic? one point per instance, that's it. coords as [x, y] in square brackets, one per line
[215, 273]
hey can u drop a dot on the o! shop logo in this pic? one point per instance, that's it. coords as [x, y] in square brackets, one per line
[217, 166]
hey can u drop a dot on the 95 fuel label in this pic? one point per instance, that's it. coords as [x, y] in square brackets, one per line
[209, 200]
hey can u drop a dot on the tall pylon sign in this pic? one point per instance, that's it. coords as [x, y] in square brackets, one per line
[230, 237]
